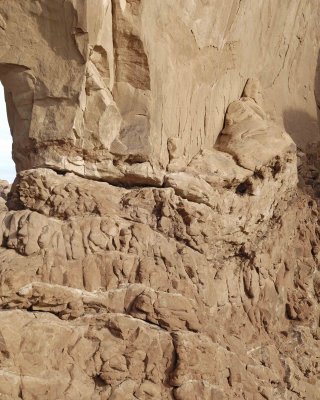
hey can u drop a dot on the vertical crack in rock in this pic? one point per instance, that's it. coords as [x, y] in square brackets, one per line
[131, 61]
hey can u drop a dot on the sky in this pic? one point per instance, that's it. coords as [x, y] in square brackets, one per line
[7, 168]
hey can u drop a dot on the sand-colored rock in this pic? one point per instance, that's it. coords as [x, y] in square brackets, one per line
[155, 293]
[155, 243]
[107, 89]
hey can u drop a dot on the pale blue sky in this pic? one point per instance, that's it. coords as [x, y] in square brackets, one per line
[7, 168]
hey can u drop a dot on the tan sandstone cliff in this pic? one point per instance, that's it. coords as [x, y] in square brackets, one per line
[156, 243]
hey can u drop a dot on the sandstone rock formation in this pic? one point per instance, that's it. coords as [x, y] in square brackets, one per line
[102, 88]
[155, 243]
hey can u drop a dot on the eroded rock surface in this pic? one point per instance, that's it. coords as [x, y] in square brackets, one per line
[116, 89]
[155, 243]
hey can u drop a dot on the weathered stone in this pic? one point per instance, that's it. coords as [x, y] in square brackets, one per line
[110, 89]
[155, 243]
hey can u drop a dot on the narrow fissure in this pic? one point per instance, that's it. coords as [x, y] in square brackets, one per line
[7, 167]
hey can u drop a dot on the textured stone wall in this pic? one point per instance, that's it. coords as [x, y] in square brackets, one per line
[108, 89]
[161, 239]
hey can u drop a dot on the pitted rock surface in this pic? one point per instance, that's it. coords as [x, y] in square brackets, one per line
[161, 238]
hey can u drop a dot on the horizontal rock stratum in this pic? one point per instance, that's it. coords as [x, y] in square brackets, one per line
[161, 238]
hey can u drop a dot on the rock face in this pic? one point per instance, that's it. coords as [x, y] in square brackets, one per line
[155, 243]
[109, 89]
